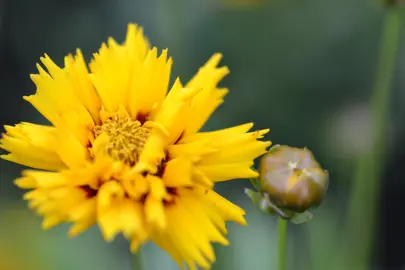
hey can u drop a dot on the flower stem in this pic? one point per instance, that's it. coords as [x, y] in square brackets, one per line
[282, 244]
[362, 212]
[138, 260]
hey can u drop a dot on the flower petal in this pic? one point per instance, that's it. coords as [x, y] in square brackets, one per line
[206, 102]
[149, 85]
[177, 173]
[115, 68]
[224, 172]
[32, 145]
[47, 100]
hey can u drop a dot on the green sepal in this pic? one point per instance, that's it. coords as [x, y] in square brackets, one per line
[260, 201]
[283, 213]
[273, 148]
[266, 206]
[256, 183]
[299, 218]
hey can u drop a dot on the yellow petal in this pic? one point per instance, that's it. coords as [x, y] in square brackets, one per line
[132, 221]
[79, 122]
[201, 230]
[224, 172]
[31, 162]
[201, 178]
[182, 232]
[137, 44]
[229, 210]
[113, 68]
[205, 103]
[174, 113]
[163, 240]
[153, 151]
[194, 151]
[210, 218]
[109, 194]
[40, 179]
[25, 182]
[177, 173]
[135, 185]
[51, 221]
[81, 226]
[32, 145]
[83, 86]
[150, 83]
[109, 224]
[84, 210]
[155, 213]
[70, 150]
[157, 187]
[47, 100]
[221, 135]
[238, 153]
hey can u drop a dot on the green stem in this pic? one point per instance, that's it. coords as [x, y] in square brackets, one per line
[138, 260]
[282, 244]
[362, 212]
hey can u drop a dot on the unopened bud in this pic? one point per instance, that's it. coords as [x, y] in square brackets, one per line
[292, 178]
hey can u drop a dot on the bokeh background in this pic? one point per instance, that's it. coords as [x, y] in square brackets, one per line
[304, 68]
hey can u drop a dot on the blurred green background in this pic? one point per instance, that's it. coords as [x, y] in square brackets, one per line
[304, 68]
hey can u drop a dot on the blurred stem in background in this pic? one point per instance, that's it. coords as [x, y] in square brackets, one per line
[138, 260]
[362, 212]
[282, 244]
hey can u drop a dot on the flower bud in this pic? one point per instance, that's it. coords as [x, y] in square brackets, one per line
[292, 178]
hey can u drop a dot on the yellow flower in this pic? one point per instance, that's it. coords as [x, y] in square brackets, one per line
[126, 155]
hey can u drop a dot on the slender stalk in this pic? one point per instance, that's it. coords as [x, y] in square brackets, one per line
[282, 244]
[138, 260]
[362, 212]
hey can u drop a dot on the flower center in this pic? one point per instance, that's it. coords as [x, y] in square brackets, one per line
[126, 138]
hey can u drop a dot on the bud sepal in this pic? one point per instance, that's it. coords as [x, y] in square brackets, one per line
[266, 206]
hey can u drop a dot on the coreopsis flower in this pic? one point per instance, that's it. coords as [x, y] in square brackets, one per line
[124, 153]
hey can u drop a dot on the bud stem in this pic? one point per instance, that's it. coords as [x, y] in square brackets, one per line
[138, 260]
[282, 244]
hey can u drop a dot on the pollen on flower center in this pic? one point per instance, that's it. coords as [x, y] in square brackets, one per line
[127, 138]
